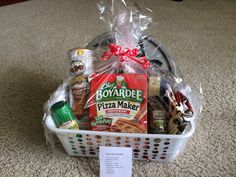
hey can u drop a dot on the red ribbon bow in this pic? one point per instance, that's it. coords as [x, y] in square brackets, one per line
[125, 54]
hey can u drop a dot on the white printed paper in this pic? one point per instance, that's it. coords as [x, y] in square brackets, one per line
[115, 161]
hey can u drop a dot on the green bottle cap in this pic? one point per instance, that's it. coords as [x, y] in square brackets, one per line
[62, 113]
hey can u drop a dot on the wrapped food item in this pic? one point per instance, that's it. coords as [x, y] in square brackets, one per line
[81, 67]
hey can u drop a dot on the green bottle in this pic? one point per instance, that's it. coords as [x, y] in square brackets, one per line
[63, 116]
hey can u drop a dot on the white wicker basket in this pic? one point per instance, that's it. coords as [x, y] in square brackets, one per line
[158, 147]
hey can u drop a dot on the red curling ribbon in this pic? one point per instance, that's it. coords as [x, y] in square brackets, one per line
[125, 54]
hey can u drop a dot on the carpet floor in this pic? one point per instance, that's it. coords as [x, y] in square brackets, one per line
[34, 39]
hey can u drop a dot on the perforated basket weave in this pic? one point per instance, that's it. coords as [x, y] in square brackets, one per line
[156, 147]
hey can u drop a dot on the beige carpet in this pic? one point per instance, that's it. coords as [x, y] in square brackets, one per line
[34, 39]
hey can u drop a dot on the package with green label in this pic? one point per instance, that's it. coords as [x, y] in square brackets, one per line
[118, 103]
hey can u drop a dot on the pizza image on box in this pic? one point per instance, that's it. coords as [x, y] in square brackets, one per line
[119, 103]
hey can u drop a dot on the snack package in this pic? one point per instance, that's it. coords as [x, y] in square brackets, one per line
[81, 66]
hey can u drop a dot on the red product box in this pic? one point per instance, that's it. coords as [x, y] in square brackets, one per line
[119, 103]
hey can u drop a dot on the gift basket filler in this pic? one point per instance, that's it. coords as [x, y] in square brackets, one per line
[123, 91]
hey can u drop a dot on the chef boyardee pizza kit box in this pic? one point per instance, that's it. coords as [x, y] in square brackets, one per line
[119, 103]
